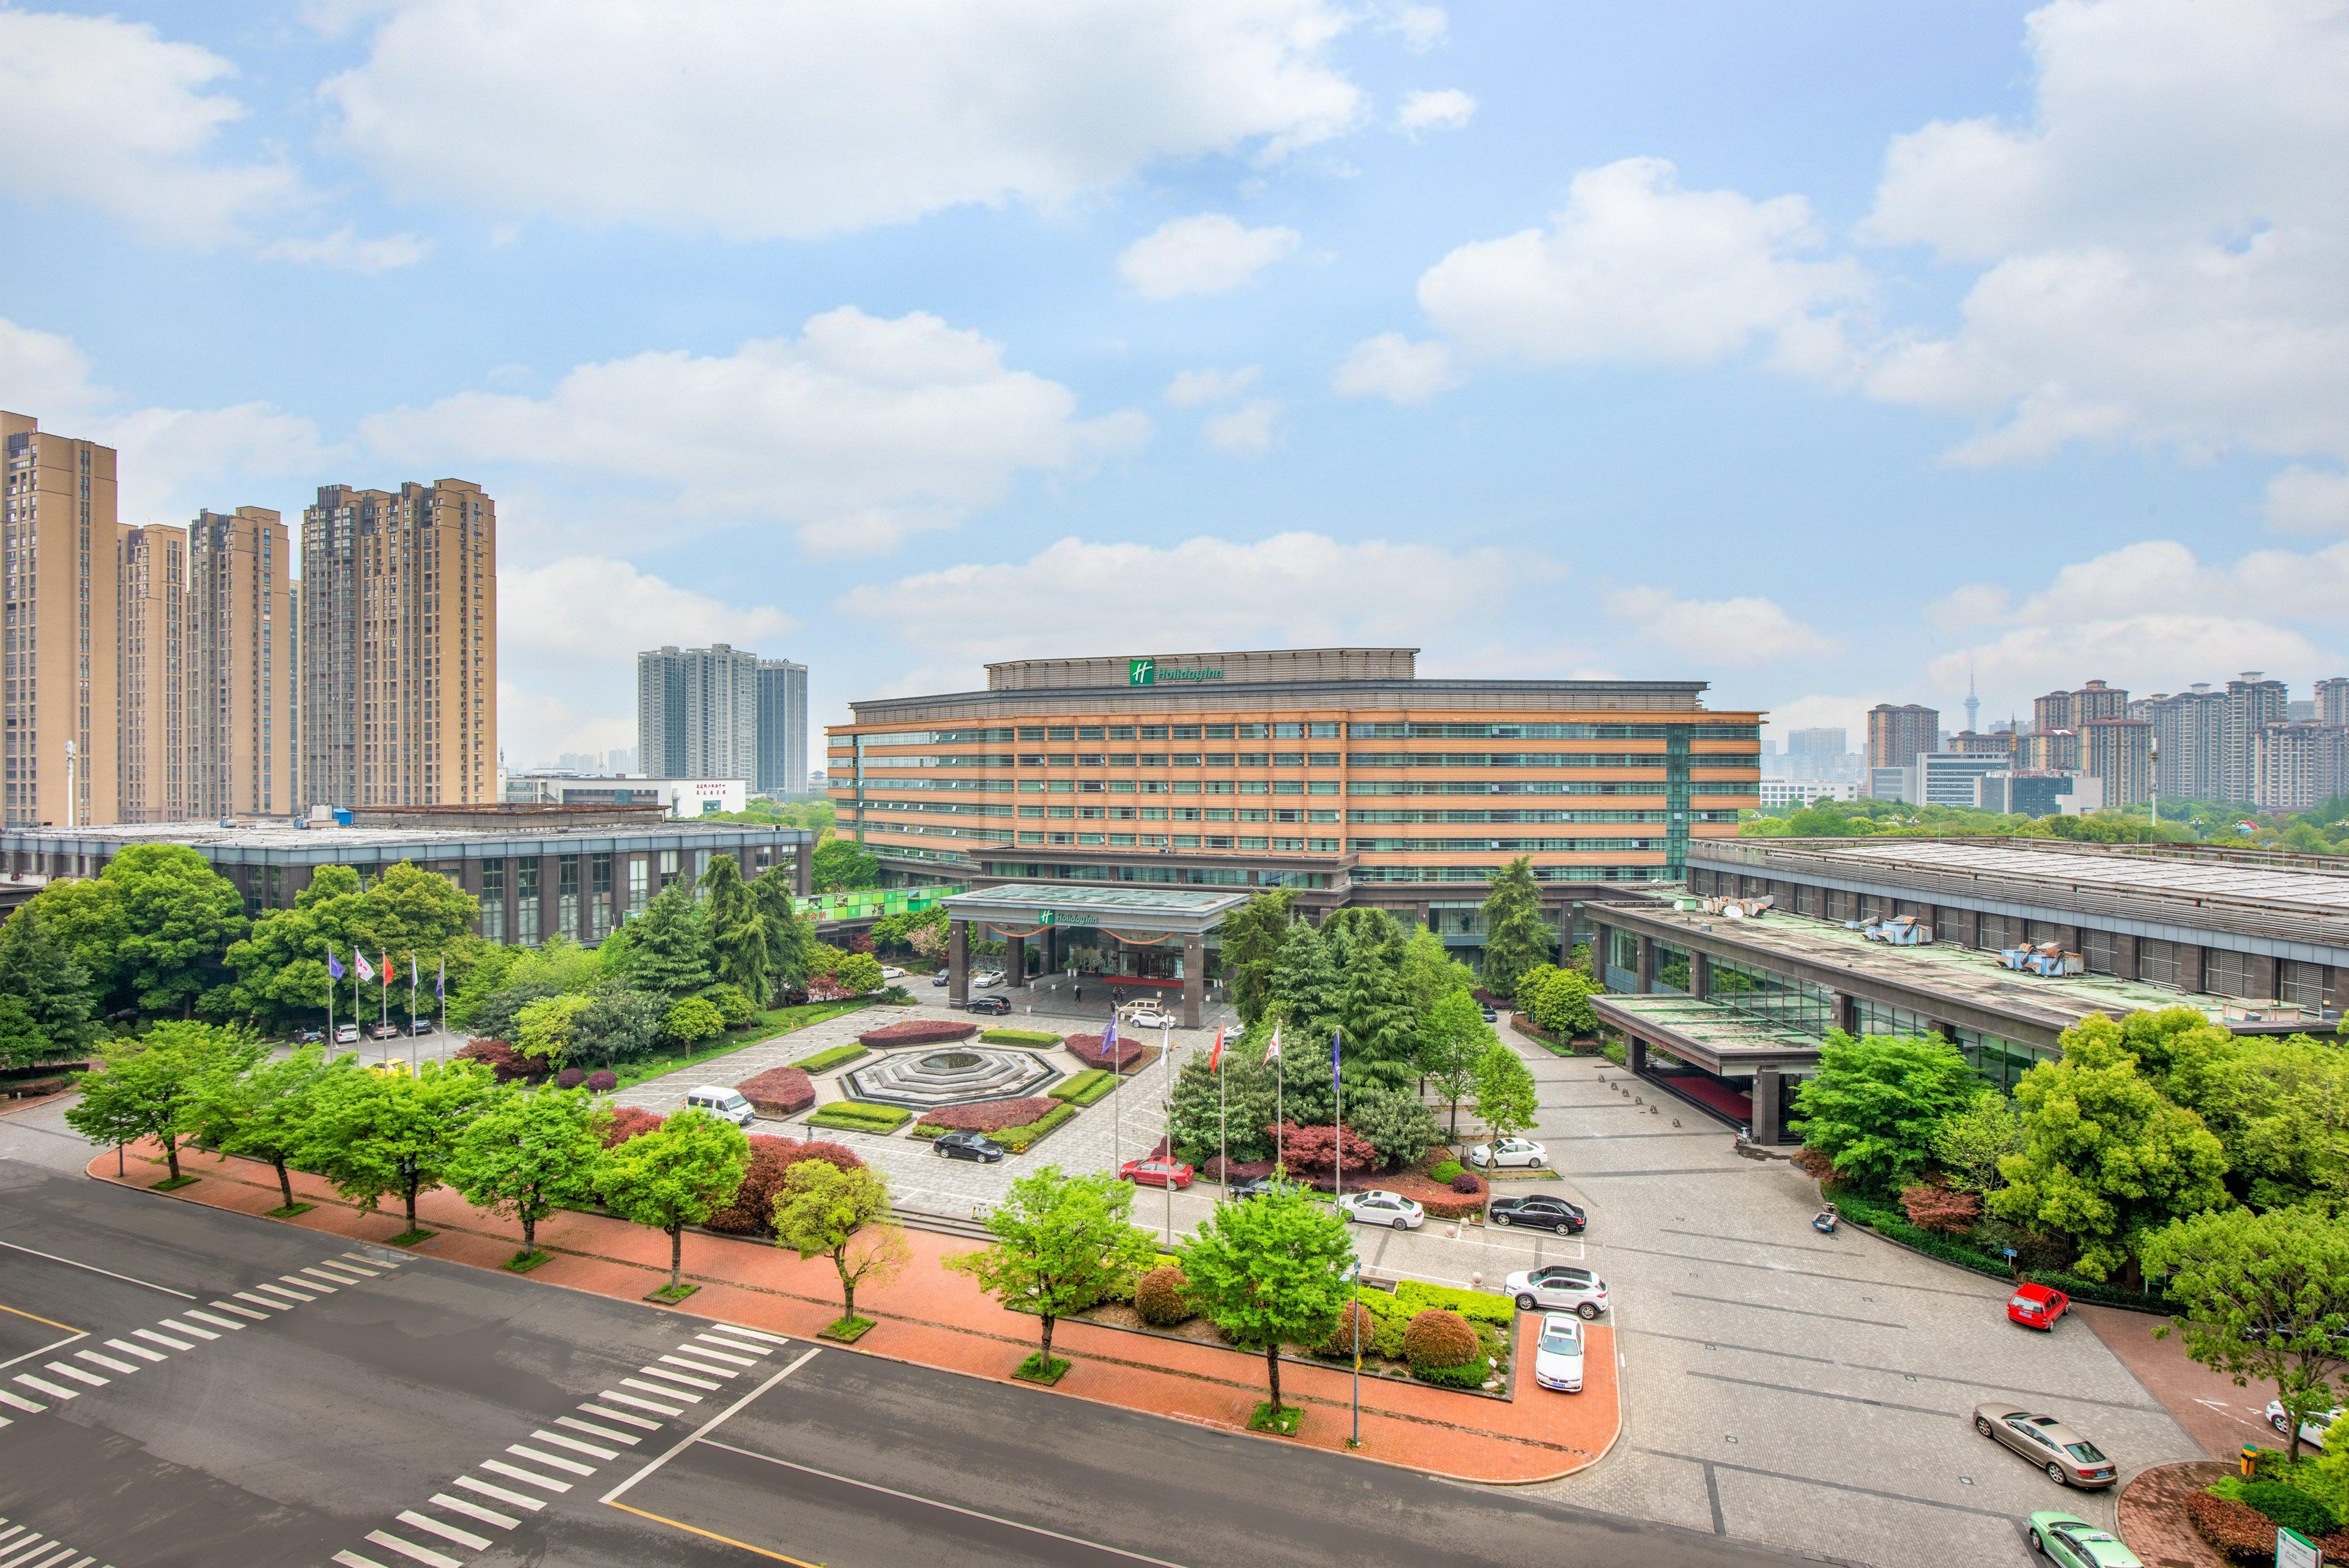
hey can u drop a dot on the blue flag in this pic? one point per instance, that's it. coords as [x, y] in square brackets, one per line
[441, 986]
[334, 965]
[1109, 1042]
[1335, 1036]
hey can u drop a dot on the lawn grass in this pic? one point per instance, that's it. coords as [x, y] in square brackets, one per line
[1084, 1088]
[411, 1238]
[287, 1212]
[1282, 1422]
[669, 1296]
[523, 1262]
[837, 1056]
[774, 1022]
[1036, 1369]
[846, 1330]
[857, 1115]
[172, 1183]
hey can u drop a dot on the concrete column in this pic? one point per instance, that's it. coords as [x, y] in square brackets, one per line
[1635, 1054]
[1195, 977]
[957, 963]
[2070, 937]
[1846, 1011]
[1015, 961]
[1051, 949]
[1765, 1105]
[1647, 965]
[1602, 942]
[1700, 975]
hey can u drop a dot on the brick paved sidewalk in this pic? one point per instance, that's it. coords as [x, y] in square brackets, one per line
[938, 1319]
[2153, 1515]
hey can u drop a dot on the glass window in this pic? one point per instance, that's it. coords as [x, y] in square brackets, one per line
[526, 902]
[639, 879]
[1288, 731]
[1062, 732]
[493, 899]
[1121, 731]
[1089, 732]
[1325, 730]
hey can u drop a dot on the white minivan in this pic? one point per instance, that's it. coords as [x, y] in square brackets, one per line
[724, 1104]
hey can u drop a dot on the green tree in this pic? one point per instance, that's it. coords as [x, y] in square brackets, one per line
[1398, 1124]
[1517, 937]
[1062, 1245]
[2266, 1296]
[1252, 937]
[527, 1153]
[618, 1026]
[2106, 1158]
[547, 1030]
[1970, 1142]
[85, 913]
[737, 929]
[45, 995]
[670, 946]
[178, 918]
[373, 1135]
[843, 865]
[859, 972]
[1232, 1114]
[824, 1211]
[263, 1112]
[692, 1020]
[1453, 1043]
[1507, 1099]
[1309, 994]
[280, 968]
[415, 918]
[1429, 973]
[1559, 1004]
[676, 1175]
[790, 935]
[155, 1086]
[1875, 1100]
[2280, 1110]
[1268, 1273]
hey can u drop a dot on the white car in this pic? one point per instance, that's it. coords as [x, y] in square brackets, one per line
[1377, 1206]
[1507, 1151]
[1149, 1017]
[346, 1034]
[1557, 1354]
[1560, 1287]
[983, 979]
[2312, 1430]
[890, 973]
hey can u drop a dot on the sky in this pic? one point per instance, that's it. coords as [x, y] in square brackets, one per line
[1832, 352]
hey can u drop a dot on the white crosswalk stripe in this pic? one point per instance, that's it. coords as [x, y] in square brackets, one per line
[758, 1333]
[555, 1460]
[341, 1274]
[176, 1327]
[474, 1511]
[631, 1399]
[52, 1559]
[167, 1342]
[106, 1361]
[447, 1531]
[6, 1421]
[692, 1365]
[215, 1320]
[662, 1390]
[298, 1297]
[500, 1493]
[664, 1373]
[708, 1351]
[19, 1402]
[333, 1282]
[235, 1311]
[353, 1559]
[259, 1300]
[299, 1284]
[45, 1386]
[424, 1555]
[375, 1262]
[593, 1450]
[620, 1415]
[140, 1351]
[10, 1533]
[515, 1472]
[67, 1369]
[608, 1433]
[32, 1546]
[730, 1342]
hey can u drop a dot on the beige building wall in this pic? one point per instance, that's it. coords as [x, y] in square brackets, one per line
[57, 627]
[289, 626]
[151, 678]
[239, 729]
[398, 639]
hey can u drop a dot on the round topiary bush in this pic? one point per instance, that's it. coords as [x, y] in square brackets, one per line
[602, 1081]
[1159, 1296]
[1443, 1170]
[1340, 1342]
[570, 1077]
[1466, 1184]
[1439, 1338]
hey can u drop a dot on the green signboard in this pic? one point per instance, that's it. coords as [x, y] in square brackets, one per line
[1142, 672]
[871, 903]
[1150, 673]
[1043, 917]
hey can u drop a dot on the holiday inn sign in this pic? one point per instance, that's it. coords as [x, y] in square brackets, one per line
[1150, 673]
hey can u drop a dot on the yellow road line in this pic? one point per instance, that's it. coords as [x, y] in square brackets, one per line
[713, 1535]
[38, 1318]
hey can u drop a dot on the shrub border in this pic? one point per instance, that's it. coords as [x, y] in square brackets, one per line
[1082, 1087]
[831, 1056]
[1027, 1134]
[1957, 1255]
[874, 1122]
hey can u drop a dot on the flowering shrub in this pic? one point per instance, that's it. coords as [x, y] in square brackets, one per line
[570, 1077]
[1087, 1048]
[1940, 1209]
[1159, 1296]
[1315, 1149]
[1439, 1338]
[503, 1059]
[622, 1123]
[823, 988]
[777, 1092]
[991, 1116]
[917, 1032]
[602, 1081]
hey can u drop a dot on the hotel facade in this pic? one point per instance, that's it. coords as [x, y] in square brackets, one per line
[1337, 772]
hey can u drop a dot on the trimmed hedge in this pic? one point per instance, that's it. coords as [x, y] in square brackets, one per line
[832, 1058]
[777, 1092]
[1018, 1037]
[987, 1116]
[1476, 1306]
[1084, 1088]
[1439, 1338]
[917, 1032]
[602, 1081]
[1469, 1374]
[861, 1116]
[1159, 1297]
[1087, 1048]
[1015, 1139]
[1871, 1214]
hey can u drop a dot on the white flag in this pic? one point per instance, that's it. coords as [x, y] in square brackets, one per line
[366, 970]
[1272, 1052]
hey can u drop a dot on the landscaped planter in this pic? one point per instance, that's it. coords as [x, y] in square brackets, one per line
[1133, 1055]
[917, 1031]
[1121, 1315]
[1015, 1124]
[777, 1092]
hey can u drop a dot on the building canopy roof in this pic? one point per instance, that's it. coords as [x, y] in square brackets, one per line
[1142, 908]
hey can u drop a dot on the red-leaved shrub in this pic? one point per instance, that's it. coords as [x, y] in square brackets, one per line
[777, 1092]
[503, 1061]
[1314, 1150]
[1353, 1320]
[991, 1116]
[2243, 1534]
[602, 1081]
[1087, 1048]
[1811, 1162]
[1439, 1337]
[833, 1154]
[1940, 1209]
[625, 1121]
[1467, 1184]
[917, 1031]
[570, 1077]
[752, 1212]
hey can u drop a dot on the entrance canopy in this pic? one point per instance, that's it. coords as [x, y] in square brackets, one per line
[1135, 916]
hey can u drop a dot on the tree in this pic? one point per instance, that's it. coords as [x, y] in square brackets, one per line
[676, 1175]
[693, 1020]
[1381, 1032]
[617, 1025]
[546, 1029]
[263, 1112]
[1969, 1142]
[1517, 937]
[45, 995]
[1558, 1002]
[1428, 972]
[670, 946]
[373, 1135]
[178, 917]
[526, 1153]
[84, 913]
[1267, 1272]
[824, 1211]
[2280, 1110]
[1062, 1245]
[1252, 937]
[790, 935]
[2106, 1158]
[154, 1086]
[1876, 1101]
[843, 865]
[858, 973]
[737, 929]
[1507, 1099]
[280, 968]
[1309, 994]
[2266, 1296]
[1397, 1123]
[1453, 1043]
[1233, 1115]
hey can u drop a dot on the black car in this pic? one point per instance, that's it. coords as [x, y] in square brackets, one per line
[997, 1005]
[939, 978]
[1259, 1186]
[419, 1026]
[310, 1037]
[967, 1146]
[1491, 1016]
[1539, 1212]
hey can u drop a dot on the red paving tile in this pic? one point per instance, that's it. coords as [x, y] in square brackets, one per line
[2215, 1413]
[932, 1317]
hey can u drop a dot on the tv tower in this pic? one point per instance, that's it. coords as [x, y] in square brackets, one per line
[1973, 703]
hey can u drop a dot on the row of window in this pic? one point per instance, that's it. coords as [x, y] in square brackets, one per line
[1500, 845]
[1408, 874]
[1573, 731]
[872, 766]
[1314, 729]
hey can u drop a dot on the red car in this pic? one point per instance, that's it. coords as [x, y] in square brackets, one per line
[1156, 1173]
[2036, 1306]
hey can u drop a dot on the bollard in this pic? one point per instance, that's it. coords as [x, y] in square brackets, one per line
[2250, 1459]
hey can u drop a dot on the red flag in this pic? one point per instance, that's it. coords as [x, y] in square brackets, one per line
[1215, 1056]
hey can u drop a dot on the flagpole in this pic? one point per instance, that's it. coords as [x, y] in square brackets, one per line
[1116, 1089]
[330, 1004]
[1166, 1054]
[384, 997]
[1337, 1091]
[1222, 1130]
[411, 1011]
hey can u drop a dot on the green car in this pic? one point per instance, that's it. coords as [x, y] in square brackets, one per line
[2072, 1542]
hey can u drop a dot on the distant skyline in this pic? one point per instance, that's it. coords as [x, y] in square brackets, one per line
[1830, 354]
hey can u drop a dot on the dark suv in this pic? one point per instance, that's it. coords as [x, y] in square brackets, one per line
[996, 1004]
[1539, 1212]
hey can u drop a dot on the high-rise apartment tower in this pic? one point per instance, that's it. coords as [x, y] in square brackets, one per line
[1896, 736]
[783, 728]
[150, 674]
[59, 605]
[2253, 702]
[697, 713]
[239, 729]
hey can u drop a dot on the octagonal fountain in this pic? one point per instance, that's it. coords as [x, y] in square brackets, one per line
[954, 1076]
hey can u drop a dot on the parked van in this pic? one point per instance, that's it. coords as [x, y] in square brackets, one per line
[724, 1104]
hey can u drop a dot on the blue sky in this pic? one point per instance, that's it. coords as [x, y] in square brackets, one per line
[1825, 352]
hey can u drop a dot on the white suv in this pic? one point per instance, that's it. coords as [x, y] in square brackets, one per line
[1560, 1287]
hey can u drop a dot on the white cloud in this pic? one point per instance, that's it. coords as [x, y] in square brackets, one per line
[97, 110]
[2162, 241]
[1439, 108]
[1251, 429]
[1392, 367]
[1636, 270]
[1212, 252]
[1720, 631]
[1822, 710]
[345, 249]
[2308, 501]
[1422, 27]
[755, 121]
[858, 430]
[1192, 388]
[1205, 592]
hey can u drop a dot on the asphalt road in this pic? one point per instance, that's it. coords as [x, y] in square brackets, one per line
[206, 1396]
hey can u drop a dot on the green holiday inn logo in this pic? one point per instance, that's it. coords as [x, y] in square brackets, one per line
[1147, 672]
[1142, 672]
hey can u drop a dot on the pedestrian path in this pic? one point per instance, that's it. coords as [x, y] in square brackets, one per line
[69, 1376]
[21, 1546]
[502, 1492]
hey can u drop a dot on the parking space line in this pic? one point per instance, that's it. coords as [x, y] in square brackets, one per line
[94, 1268]
[1830, 1485]
[1799, 1311]
[1810, 1273]
[1823, 1394]
[1756, 1242]
[1894, 1371]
